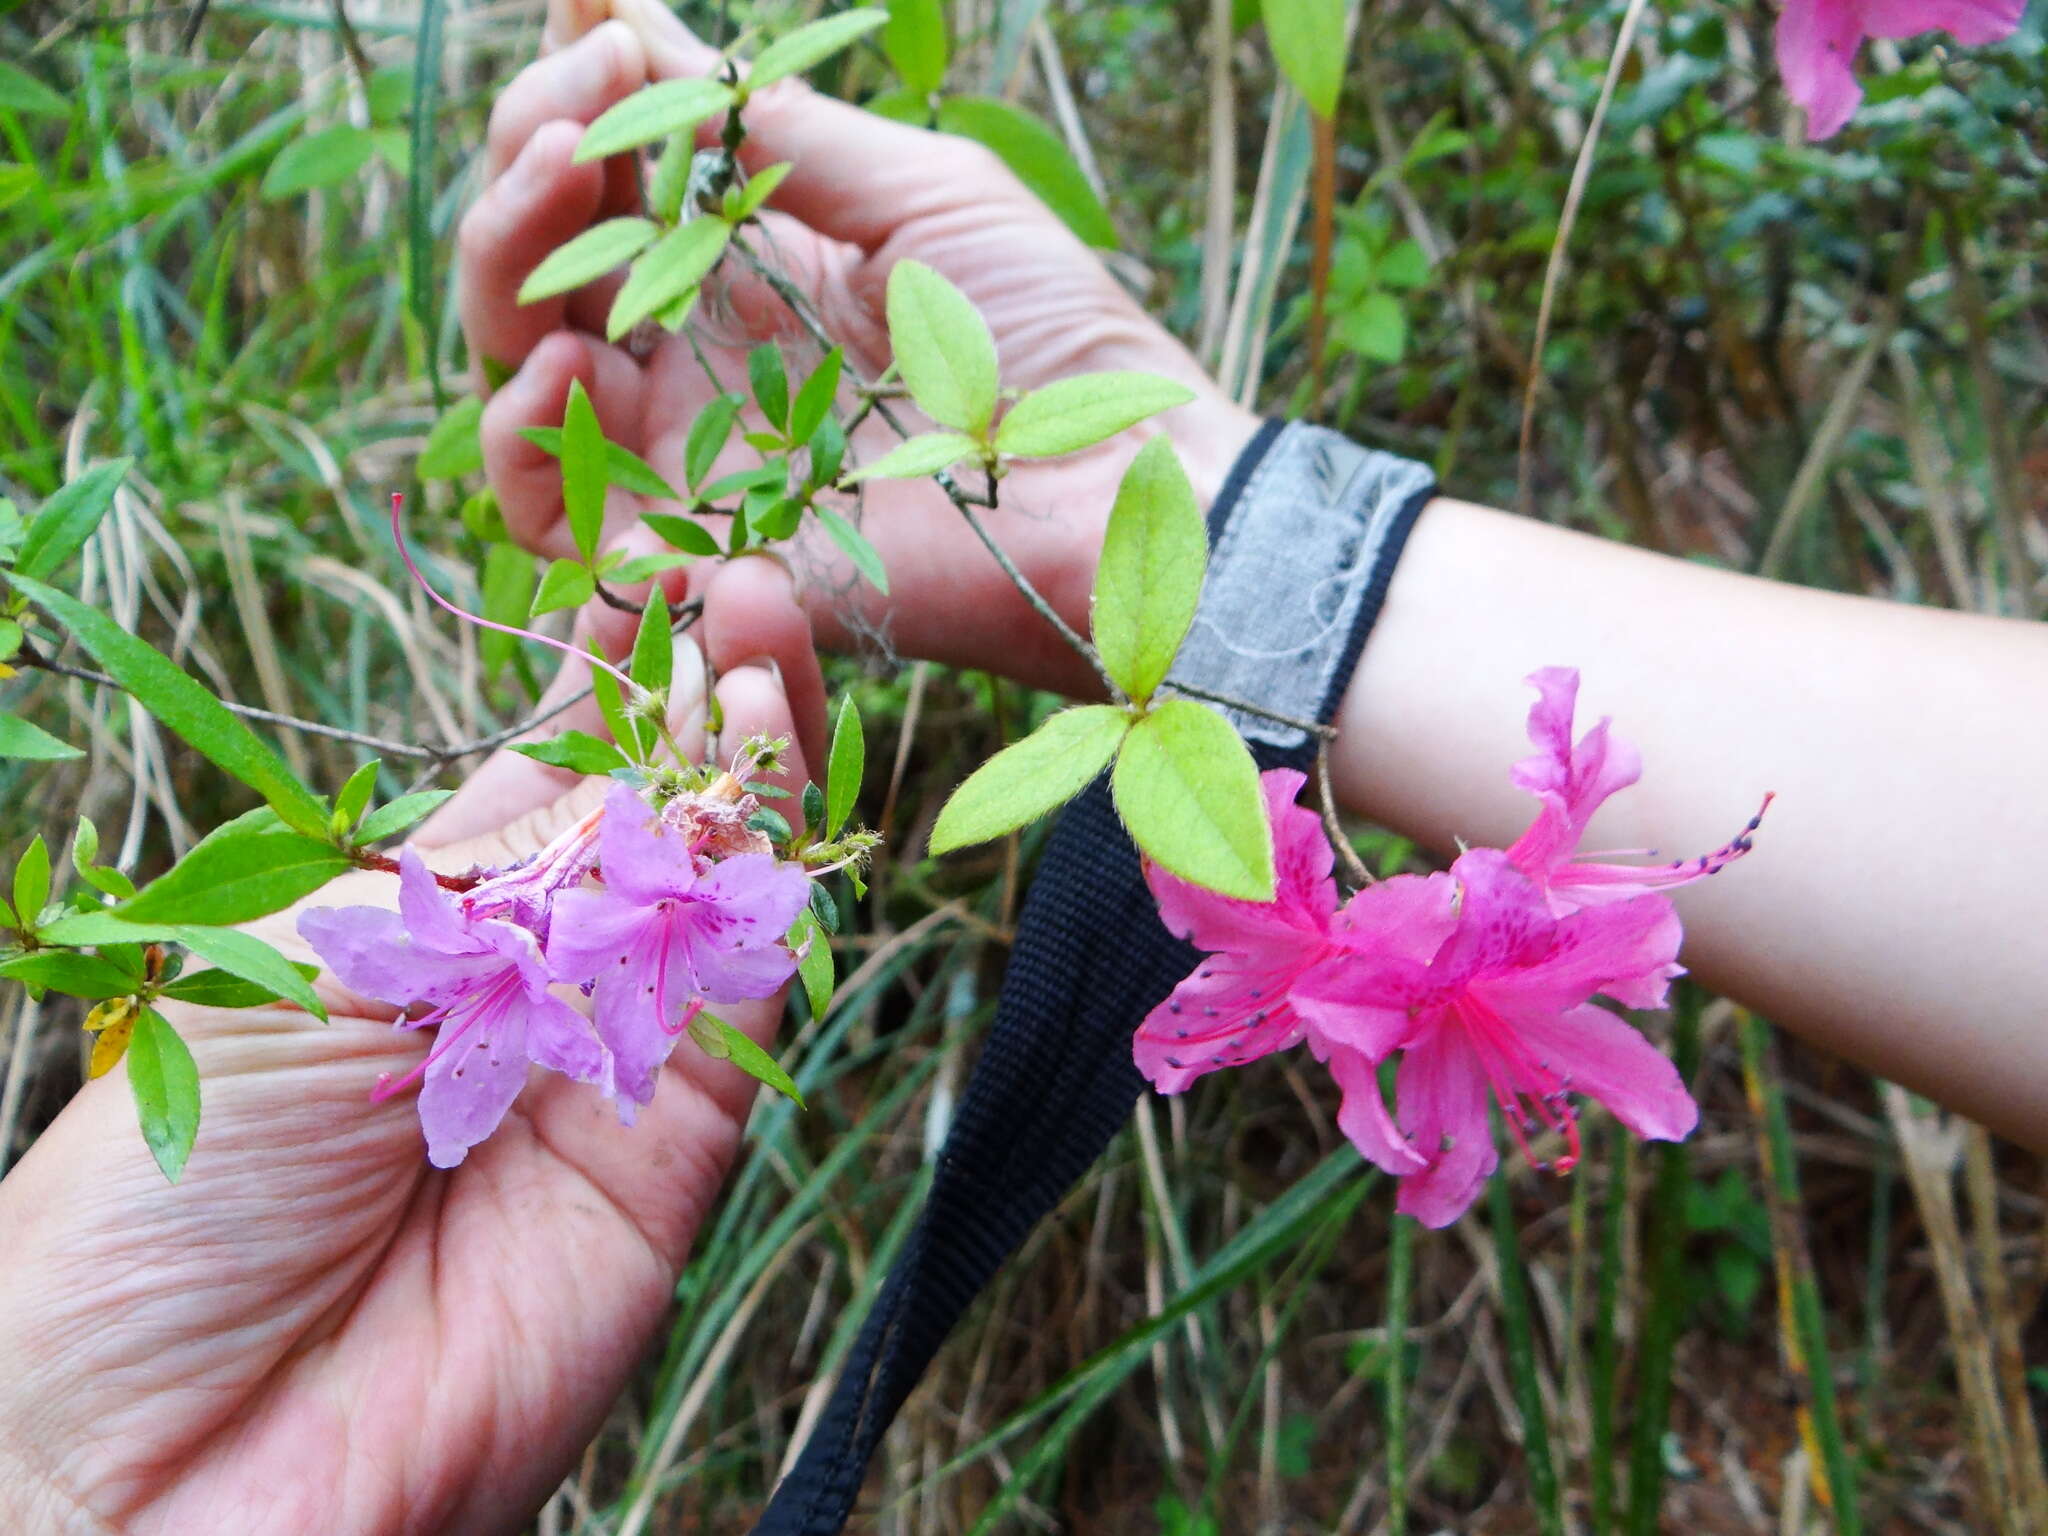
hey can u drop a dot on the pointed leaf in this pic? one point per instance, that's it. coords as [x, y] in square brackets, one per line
[1078, 412]
[32, 879]
[622, 467]
[770, 382]
[807, 414]
[668, 272]
[592, 254]
[814, 967]
[22, 92]
[742, 203]
[1150, 577]
[707, 436]
[88, 976]
[567, 584]
[916, 457]
[686, 534]
[237, 879]
[390, 820]
[453, 447]
[915, 41]
[68, 518]
[865, 557]
[1188, 790]
[318, 160]
[1036, 156]
[165, 1081]
[720, 1041]
[1307, 38]
[848, 765]
[584, 472]
[20, 739]
[943, 348]
[577, 751]
[220, 989]
[654, 657]
[795, 52]
[1024, 781]
[673, 106]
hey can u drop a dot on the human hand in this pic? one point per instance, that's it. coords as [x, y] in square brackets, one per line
[315, 1330]
[864, 193]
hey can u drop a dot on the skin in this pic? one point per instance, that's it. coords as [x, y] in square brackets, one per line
[370, 1346]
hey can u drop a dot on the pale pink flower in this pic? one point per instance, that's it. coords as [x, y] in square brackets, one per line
[1487, 994]
[1818, 39]
[1233, 1007]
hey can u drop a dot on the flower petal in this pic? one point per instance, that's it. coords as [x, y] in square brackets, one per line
[754, 898]
[1973, 23]
[1363, 1116]
[1571, 782]
[1304, 895]
[1226, 1013]
[734, 975]
[591, 933]
[1817, 42]
[561, 1039]
[1442, 1095]
[431, 916]
[1626, 949]
[1600, 1056]
[641, 857]
[1504, 923]
[370, 951]
[469, 1088]
[628, 1012]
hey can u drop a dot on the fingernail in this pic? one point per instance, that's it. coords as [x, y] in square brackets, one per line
[767, 664]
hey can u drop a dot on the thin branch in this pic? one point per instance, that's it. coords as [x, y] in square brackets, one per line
[1333, 825]
[1315, 728]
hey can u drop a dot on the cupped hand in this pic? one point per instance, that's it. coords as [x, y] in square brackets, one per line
[315, 1330]
[864, 193]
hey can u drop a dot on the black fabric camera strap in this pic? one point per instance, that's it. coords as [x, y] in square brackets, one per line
[1304, 538]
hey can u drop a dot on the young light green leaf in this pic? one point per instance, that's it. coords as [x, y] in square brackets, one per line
[645, 567]
[622, 466]
[390, 820]
[770, 383]
[567, 584]
[22, 92]
[1307, 38]
[915, 457]
[814, 963]
[742, 203]
[668, 272]
[1374, 328]
[611, 703]
[453, 448]
[1024, 781]
[182, 705]
[720, 1041]
[654, 657]
[354, 796]
[507, 587]
[807, 414]
[1150, 577]
[18, 738]
[1078, 412]
[686, 534]
[227, 880]
[795, 52]
[221, 989]
[91, 977]
[32, 880]
[1188, 790]
[848, 764]
[865, 557]
[708, 434]
[584, 471]
[915, 41]
[1036, 156]
[59, 530]
[901, 105]
[165, 1082]
[318, 160]
[577, 751]
[943, 348]
[589, 256]
[673, 106]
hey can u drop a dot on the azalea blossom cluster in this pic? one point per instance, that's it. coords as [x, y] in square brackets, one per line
[1817, 42]
[1480, 979]
[666, 898]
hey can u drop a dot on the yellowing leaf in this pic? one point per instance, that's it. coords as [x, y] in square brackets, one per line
[1024, 781]
[113, 1022]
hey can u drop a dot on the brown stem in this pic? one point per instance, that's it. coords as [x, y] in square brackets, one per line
[384, 864]
[1322, 234]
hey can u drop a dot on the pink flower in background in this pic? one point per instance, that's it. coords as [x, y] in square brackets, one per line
[668, 928]
[485, 985]
[1234, 1007]
[1487, 994]
[1818, 39]
[1570, 782]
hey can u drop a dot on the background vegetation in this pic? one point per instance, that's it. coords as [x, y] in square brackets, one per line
[224, 247]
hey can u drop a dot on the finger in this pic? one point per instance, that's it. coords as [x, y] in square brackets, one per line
[543, 201]
[752, 619]
[528, 479]
[570, 19]
[857, 177]
[598, 69]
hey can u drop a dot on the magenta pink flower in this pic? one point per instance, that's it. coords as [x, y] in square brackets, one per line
[1571, 782]
[1487, 994]
[1234, 1007]
[1818, 39]
[667, 929]
[485, 985]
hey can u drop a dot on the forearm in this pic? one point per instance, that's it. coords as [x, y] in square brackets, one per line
[1891, 911]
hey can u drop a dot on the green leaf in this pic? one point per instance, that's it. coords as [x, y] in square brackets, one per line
[318, 160]
[815, 398]
[1024, 781]
[1078, 412]
[797, 51]
[708, 434]
[1036, 156]
[720, 1041]
[453, 448]
[1188, 790]
[814, 966]
[943, 348]
[22, 92]
[1307, 38]
[165, 1082]
[622, 466]
[32, 880]
[183, 706]
[584, 477]
[1150, 577]
[668, 272]
[577, 751]
[390, 820]
[848, 763]
[222, 989]
[865, 557]
[354, 796]
[742, 203]
[654, 657]
[68, 519]
[915, 41]
[673, 106]
[227, 880]
[244, 955]
[20, 739]
[592, 254]
[902, 105]
[916, 457]
[507, 586]
[1375, 328]
[611, 703]
[644, 567]
[87, 976]
[770, 384]
[827, 452]
[1404, 266]
[567, 584]
[686, 534]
